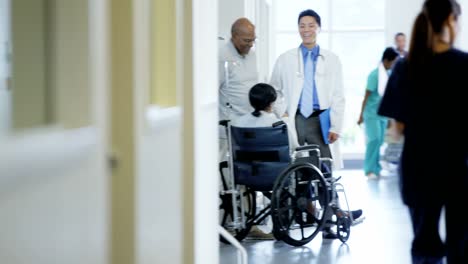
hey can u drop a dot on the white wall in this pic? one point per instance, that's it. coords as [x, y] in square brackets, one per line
[263, 11]
[400, 15]
[204, 104]
[462, 41]
[228, 12]
[159, 190]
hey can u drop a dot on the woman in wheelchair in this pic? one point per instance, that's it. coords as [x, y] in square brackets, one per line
[304, 195]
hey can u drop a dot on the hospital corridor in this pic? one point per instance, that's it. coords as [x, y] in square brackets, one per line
[384, 236]
[208, 131]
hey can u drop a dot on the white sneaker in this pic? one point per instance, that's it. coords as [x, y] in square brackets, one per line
[372, 176]
[257, 234]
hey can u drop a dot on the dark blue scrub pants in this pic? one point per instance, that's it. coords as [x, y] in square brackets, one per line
[427, 246]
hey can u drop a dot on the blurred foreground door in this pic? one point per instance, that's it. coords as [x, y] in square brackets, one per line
[5, 94]
[53, 178]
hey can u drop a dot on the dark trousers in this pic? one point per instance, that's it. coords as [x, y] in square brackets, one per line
[309, 132]
[427, 246]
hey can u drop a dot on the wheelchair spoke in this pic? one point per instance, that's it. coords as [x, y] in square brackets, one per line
[283, 209]
[287, 195]
[293, 215]
[294, 198]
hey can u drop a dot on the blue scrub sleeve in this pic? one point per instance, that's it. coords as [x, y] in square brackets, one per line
[373, 81]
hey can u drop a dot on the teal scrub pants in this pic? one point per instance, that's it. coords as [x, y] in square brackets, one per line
[375, 135]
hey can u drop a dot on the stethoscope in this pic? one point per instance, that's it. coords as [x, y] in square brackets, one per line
[300, 70]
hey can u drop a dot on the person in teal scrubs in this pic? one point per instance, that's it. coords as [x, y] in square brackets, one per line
[374, 124]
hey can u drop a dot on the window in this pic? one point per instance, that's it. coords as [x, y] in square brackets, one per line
[355, 31]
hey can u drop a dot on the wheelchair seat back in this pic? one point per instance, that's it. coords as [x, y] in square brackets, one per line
[259, 155]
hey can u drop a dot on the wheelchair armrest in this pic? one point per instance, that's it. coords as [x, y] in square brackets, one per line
[279, 123]
[224, 123]
[307, 147]
[330, 160]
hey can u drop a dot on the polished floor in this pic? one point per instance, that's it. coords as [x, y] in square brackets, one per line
[384, 237]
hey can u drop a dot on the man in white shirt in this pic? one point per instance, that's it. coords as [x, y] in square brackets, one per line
[238, 73]
[237, 70]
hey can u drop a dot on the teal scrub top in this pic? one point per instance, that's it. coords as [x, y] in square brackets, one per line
[373, 102]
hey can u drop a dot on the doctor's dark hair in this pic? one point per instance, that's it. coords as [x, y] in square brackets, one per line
[399, 34]
[429, 21]
[261, 96]
[312, 13]
[389, 54]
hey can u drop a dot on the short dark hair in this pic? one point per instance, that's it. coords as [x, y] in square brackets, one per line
[400, 34]
[389, 54]
[312, 13]
[261, 95]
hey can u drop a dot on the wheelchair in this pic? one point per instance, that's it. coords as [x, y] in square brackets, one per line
[302, 191]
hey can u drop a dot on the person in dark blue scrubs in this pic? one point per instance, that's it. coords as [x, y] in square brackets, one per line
[425, 95]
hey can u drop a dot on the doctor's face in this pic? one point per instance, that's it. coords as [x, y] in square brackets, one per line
[308, 29]
[400, 42]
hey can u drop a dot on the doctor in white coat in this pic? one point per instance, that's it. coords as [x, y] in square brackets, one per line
[310, 80]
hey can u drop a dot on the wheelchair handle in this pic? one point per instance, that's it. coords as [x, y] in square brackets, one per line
[224, 123]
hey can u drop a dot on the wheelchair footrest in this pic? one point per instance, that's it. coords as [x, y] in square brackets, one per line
[358, 221]
[230, 192]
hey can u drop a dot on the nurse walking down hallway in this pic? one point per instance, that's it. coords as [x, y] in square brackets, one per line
[375, 125]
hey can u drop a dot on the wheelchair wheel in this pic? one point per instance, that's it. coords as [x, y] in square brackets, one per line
[236, 227]
[299, 203]
[343, 226]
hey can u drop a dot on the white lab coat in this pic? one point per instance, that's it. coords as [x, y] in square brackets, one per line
[288, 78]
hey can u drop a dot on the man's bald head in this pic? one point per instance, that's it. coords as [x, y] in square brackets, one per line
[243, 35]
[242, 25]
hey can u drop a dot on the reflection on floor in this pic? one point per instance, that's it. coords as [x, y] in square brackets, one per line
[383, 238]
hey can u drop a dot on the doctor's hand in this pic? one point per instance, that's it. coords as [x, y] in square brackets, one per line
[332, 137]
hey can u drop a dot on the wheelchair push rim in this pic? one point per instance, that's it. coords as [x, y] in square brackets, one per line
[296, 189]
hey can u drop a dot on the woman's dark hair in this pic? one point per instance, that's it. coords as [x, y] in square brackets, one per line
[312, 13]
[429, 21]
[389, 54]
[261, 96]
